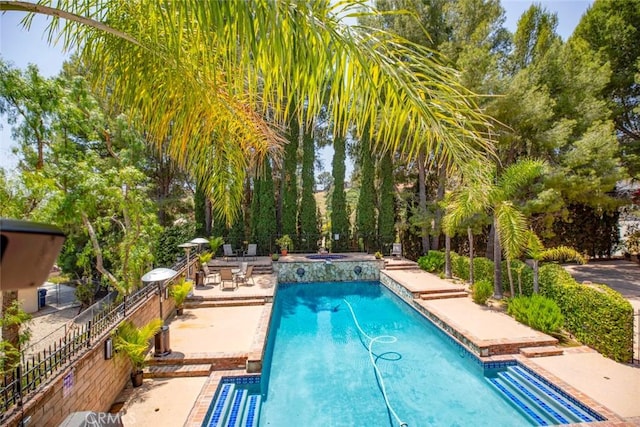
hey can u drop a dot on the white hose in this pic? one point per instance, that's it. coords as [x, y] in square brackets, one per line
[384, 339]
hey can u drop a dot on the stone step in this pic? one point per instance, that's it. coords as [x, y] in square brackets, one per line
[172, 371]
[401, 267]
[217, 360]
[443, 295]
[235, 302]
[452, 288]
[542, 351]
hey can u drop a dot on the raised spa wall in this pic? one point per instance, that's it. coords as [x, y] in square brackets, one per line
[343, 270]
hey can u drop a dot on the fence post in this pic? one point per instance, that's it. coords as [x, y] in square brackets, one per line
[89, 334]
[18, 381]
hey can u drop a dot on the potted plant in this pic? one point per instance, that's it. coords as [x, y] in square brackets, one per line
[275, 257]
[179, 291]
[204, 258]
[285, 244]
[378, 255]
[214, 245]
[133, 342]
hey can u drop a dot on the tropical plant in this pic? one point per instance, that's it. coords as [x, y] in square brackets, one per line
[206, 50]
[15, 332]
[133, 342]
[285, 243]
[204, 258]
[179, 291]
[214, 244]
[537, 252]
[378, 255]
[484, 191]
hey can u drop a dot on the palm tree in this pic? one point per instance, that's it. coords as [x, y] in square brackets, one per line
[537, 252]
[218, 80]
[485, 192]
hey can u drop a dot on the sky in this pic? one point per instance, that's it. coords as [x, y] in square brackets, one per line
[22, 47]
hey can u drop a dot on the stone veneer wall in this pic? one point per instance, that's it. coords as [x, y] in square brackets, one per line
[334, 271]
[96, 382]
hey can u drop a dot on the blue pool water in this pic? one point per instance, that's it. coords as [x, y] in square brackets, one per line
[318, 372]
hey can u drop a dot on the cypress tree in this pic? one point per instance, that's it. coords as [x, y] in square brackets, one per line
[386, 218]
[263, 211]
[339, 217]
[308, 210]
[200, 202]
[365, 212]
[289, 181]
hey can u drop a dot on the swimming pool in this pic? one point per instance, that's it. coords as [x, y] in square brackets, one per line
[318, 370]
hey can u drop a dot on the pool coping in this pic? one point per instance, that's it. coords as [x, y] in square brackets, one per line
[255, 357]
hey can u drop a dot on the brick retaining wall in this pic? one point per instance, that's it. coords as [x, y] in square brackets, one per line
[93, 382]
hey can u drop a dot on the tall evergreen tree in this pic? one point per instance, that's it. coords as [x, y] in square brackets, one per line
[200, 206]
[289, 190]
[366, 210]
[386, 208]
[339, 217]
[263, 210]
[308, 210]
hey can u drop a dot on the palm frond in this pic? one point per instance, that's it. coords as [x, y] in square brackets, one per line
[519, 174]
[208, 73]
[512, 227]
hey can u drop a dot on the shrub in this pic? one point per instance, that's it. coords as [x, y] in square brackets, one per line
[432, 262]
[521, 270]
[596, 315]
[539, 312]
[482, 269]
[460, 266]
[482, 291]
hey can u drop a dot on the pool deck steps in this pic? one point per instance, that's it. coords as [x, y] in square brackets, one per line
[173, 371]
[443, 294]
[235, 407]
[539, 401]
[542, 351]
[206, 302]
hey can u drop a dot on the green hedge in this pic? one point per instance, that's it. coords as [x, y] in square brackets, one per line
[597, 315]
[433, 262]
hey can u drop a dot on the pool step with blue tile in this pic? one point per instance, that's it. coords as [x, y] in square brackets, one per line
[235, 407]
[252, 411]
[221, 405]
[538, 400]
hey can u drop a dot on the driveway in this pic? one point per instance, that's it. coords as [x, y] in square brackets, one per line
[621, 275]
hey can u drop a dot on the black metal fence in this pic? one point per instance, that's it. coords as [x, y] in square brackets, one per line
[36, 369]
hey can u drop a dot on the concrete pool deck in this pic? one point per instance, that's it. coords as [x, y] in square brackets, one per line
[212, 326]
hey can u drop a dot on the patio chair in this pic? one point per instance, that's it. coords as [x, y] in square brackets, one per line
[228, 252]
[227, 276]
[396, 250]
[246, 276]
[210, 275]
[251, 251]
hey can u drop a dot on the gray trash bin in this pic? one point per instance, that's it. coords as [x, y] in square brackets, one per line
[42, 298]
[161, 341]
